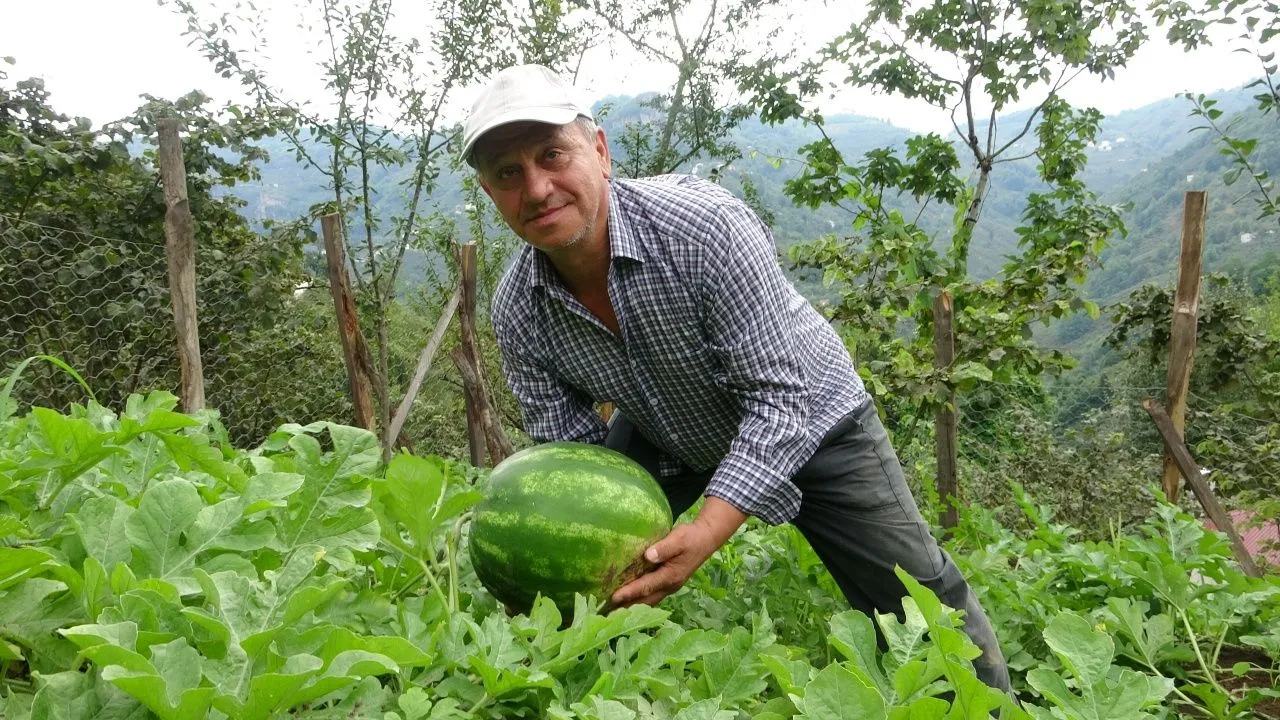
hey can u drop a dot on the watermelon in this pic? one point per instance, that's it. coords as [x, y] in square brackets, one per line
[563, 518]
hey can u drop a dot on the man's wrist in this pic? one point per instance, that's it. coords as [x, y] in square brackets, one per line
[720, 518]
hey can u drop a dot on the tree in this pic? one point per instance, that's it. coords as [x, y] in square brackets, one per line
[976, 61]
[703, 45]
[384, 123]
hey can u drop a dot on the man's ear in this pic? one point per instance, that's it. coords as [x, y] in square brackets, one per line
[484, 185]
[602, 152]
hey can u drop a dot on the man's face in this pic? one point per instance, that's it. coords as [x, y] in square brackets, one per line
[549, 182]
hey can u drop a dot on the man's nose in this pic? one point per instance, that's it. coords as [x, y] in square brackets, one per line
[537, 184]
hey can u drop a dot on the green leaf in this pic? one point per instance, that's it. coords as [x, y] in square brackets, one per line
[269, 693]
[971, 372]
[839, 693]
[153, 414]
[173, 529]
[854, 637]
[905, 640]
[330, 509]
[31, 612]
[590, 631]
[412, 485]
[173, 690]
[18, 564]
[415, 703]
[1087, 652]
[67, 447]
[925, 708]
[734, 671]
[791, 675]
[74, 695]
[1151, 636]
[193, 452]
[708, 709]
[102, 522]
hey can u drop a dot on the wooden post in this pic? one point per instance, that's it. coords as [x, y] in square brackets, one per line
[1187, 467]
[344, 307]
[484, 429]
[488, 435]
[945, 428]
[180, 249]
[1182, 337]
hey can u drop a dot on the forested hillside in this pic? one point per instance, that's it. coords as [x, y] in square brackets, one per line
[1144, 158]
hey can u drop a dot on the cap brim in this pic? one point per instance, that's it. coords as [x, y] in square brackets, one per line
[546, 114]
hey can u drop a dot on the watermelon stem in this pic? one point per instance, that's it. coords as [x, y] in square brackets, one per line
[451, 545]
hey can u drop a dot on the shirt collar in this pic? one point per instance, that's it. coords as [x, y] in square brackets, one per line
[623, 243]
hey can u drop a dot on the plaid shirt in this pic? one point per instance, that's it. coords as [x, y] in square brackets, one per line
[721, 363]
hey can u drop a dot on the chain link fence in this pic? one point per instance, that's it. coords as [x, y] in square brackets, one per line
[102, 306]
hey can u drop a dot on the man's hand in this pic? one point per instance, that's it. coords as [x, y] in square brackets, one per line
[680, 554]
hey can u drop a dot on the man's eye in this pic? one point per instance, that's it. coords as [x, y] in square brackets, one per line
[506, 173]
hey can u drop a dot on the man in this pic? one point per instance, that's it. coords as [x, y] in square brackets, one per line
[664, 296]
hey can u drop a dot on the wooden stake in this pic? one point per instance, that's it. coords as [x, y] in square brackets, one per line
[945, 428]
[424, 363]
[1187, 467]
[344, 307]
[1182, 338]
[485, 429]
[180, 249]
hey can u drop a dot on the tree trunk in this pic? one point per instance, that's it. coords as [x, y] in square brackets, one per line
[669, 127]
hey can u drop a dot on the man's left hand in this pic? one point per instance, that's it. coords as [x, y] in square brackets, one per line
[680, 554]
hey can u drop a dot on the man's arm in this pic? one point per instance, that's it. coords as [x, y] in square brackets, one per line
[749, 328]
[745, 294]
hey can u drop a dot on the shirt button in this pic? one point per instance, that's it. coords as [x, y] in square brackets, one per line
[675, 436]
[653, 401]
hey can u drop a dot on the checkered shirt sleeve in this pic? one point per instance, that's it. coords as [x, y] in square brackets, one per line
[745, 296]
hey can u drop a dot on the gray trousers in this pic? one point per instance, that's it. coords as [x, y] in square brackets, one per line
[860, 518]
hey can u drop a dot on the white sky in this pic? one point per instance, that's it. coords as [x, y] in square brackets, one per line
[98, 57]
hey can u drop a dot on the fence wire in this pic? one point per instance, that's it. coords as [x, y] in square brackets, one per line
[102, 306]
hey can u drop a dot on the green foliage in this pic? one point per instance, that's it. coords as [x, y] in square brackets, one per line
[890, 271]
[1236, 365]
[82, 229]
[157, 571]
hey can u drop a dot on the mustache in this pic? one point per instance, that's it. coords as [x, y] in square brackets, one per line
[532, 211]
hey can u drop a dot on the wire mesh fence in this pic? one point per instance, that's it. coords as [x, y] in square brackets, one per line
[96, 303]
[102, 306]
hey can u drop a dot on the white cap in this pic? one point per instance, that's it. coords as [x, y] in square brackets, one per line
[522, 93]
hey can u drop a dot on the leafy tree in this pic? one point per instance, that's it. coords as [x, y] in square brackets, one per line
[701, 45]
[970, 59]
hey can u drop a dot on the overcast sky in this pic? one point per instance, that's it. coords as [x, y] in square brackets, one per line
[98, 56]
